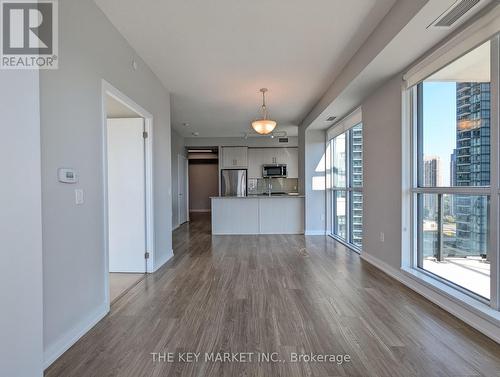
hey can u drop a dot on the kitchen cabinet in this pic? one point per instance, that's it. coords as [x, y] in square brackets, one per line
[234, 157]
[258, 215]
[256, 159]
[262, 156]
[292, 162]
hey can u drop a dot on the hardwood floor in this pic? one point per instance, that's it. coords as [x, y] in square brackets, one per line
[285, 294]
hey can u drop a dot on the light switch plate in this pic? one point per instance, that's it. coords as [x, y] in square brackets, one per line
[67, 175]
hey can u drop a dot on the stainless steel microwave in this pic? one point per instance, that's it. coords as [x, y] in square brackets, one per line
[274, 170]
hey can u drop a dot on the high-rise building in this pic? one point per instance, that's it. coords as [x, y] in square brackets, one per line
[432, 171]
[472, 167]
[453, 180]
[357, 181]
[453, 168]
[432, 178]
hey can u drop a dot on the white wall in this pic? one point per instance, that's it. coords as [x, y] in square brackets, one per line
[382, 173]
[314, 182]
[21, 345]
[177, 149]
[73, 236]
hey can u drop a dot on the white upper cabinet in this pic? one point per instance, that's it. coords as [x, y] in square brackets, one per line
[262, 156]
[256, 159]
[234, 157]
[292, 161]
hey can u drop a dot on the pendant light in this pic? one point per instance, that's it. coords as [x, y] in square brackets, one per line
[264, 126]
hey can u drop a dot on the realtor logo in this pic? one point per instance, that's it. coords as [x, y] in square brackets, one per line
[29, 34]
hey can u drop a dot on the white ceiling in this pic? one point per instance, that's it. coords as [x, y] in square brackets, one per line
[386, 53]
[214, 56]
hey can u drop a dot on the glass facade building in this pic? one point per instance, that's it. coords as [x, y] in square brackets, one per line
[357, 181]
[472, 166]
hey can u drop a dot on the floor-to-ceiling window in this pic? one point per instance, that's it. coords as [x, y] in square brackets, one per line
[455, 188]
[345, 151]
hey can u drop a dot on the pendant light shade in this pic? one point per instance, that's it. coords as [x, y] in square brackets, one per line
[264, 126]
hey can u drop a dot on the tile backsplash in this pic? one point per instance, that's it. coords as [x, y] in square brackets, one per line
[258, 186]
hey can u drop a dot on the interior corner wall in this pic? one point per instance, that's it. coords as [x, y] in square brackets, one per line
[90, 49]
[382, 154]
[21, 323]
[178, 148]
[302, 159]
[314, 181]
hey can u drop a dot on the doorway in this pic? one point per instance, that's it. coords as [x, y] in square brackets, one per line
[128, 192]
[183, 200]
[203, 177]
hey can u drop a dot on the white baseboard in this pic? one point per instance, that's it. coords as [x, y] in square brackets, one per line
[128, 271]
[175, 227]
[52, 352]
[487, 326]
[164, 260]
[200, 210]
[315, 233]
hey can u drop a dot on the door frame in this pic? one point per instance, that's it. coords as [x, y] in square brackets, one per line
[186, 188]
[108, 89]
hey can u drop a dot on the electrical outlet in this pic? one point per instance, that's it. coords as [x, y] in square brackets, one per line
[382, 237]
[79, 198]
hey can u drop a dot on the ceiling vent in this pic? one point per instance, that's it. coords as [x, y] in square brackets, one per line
[330, 119]
[283, 140]
[454, 13]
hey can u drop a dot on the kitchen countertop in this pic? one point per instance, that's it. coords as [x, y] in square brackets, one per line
[258, 197]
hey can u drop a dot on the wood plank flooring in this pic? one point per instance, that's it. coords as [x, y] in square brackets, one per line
[284, 294]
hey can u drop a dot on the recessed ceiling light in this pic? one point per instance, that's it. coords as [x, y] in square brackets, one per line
[185, 124]
[195, 133]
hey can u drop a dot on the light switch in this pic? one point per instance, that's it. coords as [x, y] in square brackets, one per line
[79, 198]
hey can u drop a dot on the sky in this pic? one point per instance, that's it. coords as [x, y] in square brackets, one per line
[440, 114]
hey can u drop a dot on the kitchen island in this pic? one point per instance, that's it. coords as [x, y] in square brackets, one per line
[258, 214]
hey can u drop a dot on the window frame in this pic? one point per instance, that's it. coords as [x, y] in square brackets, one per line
[492, 191]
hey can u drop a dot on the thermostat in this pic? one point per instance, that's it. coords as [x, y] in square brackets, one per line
[66, 175]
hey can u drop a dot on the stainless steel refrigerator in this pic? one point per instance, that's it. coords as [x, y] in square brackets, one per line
[233, 182]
